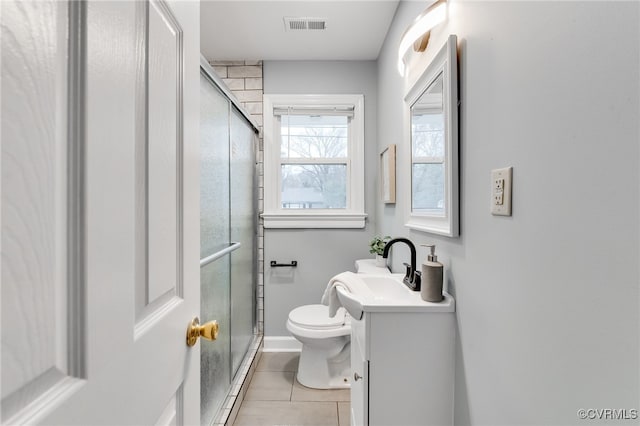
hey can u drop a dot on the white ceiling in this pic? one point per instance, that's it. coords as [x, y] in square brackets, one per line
[252, 30]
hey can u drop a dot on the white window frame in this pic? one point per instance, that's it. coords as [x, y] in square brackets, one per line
[353, 216]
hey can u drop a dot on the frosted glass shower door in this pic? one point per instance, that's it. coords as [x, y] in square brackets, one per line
[243, 230]
[228, 236]
[215, 376]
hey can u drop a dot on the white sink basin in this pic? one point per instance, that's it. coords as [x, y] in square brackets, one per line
[387, 288]
[387, 293]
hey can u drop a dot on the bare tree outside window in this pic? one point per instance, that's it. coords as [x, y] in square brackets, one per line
[314, 152]
[427, 178]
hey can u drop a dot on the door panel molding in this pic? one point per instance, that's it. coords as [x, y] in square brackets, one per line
[159, 158]
[38, 398]
[76, 226]
[157, 311]
[172, 415]
[43, 228]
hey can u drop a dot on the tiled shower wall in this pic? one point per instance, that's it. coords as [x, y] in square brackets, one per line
[244, 79]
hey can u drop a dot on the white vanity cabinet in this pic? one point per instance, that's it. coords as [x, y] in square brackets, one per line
[403, 365]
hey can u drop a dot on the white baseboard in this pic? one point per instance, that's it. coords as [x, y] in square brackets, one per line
[281, 344]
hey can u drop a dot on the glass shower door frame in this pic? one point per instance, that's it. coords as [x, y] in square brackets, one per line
[229, 246]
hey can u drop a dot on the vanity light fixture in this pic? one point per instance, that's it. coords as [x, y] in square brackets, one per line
[418, 32]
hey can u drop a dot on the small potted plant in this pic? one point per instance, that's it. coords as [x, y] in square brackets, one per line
[376, 246]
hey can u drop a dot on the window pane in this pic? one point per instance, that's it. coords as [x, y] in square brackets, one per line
[314, 186]
[314, 136]
[427, 183]
[427, 131]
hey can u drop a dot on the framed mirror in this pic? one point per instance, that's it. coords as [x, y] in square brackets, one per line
[432, 111]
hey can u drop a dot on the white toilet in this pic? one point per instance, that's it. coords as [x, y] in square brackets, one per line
[325, 360]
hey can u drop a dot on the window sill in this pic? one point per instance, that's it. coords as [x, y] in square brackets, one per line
[314, 221]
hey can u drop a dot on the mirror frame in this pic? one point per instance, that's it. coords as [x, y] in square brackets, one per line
[445, 62]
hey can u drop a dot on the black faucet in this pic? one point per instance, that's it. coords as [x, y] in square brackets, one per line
[411, 277]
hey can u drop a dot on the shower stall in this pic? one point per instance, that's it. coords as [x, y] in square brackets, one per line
[228, 240]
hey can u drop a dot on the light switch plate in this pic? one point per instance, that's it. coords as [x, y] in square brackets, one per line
[501, 191]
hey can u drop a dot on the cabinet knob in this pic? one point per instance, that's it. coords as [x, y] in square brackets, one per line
[356, 377]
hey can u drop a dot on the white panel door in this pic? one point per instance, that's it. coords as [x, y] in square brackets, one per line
[100, 212]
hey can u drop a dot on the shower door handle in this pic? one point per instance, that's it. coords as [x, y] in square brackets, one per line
[207, 330]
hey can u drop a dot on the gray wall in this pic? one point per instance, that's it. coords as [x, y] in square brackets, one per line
[321, 253]
[547, 300]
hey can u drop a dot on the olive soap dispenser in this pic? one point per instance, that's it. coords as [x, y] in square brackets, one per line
[431, 290]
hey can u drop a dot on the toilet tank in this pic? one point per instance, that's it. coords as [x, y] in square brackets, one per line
[368, 266]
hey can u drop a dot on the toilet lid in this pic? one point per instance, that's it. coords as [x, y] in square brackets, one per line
[316, 317]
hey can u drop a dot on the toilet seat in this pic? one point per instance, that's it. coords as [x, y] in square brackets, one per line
[313, 322]
[316, 317]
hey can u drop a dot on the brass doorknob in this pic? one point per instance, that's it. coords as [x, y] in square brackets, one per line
[208, 330]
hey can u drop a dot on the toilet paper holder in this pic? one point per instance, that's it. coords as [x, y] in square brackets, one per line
[275, 264]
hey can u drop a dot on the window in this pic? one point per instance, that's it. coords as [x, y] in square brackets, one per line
[314, 161]
[427, 177]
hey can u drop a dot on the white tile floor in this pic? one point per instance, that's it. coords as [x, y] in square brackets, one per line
[274, 397]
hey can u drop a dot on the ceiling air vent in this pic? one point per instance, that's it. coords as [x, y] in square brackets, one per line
[292, 24]
[316, 24]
